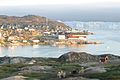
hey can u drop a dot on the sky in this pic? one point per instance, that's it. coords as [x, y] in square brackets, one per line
[66, 10]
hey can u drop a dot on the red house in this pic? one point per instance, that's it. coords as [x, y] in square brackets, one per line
[104, 58]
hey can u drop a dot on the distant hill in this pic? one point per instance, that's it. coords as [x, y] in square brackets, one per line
[30, 20]
[84, 57]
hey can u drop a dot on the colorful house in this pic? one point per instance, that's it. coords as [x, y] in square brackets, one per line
[77, 37]
[104, 58]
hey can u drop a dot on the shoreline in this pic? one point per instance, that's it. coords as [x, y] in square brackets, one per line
[59, 43]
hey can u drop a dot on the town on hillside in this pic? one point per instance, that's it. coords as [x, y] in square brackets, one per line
[29, 30]
[31, 34]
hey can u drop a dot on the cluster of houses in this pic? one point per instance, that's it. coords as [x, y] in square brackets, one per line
[72, 36]
[35, 34]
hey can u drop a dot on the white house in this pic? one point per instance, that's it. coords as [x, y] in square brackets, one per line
[31, 29]
[0, 35]
[61, 37]
[24, 41]
[36, 41]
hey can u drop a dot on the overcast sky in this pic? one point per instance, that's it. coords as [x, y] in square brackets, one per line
[83, 10]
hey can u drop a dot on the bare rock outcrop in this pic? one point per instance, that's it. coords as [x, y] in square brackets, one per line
[86, 57]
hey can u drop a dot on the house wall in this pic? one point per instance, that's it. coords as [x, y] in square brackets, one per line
[80, 37]
[61, 36]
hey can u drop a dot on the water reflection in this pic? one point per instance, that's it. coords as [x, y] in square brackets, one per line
[0, 50]
[35, 46]
[12, 47]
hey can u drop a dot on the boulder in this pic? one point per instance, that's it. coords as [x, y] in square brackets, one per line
[78, 57]
[86, 57]
[97, 69]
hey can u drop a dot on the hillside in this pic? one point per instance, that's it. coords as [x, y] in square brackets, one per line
[78, 57]
[85, 57]
[30, 20]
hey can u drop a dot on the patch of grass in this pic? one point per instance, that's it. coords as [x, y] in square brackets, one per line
[40, 76]
[68, 67]
[9, 70]
[112, 74]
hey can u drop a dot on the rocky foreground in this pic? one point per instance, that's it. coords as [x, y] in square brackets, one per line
[69, 66]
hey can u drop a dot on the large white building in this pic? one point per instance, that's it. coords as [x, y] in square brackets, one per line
[61, 37]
